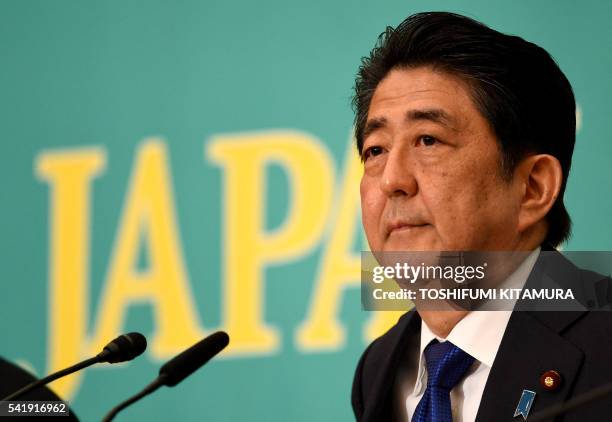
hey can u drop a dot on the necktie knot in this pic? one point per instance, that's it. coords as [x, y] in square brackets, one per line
[446, 364]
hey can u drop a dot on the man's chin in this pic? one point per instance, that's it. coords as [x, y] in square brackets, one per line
[413, 239]
[413, 245]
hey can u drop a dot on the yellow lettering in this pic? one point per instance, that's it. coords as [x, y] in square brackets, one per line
[69, 174]
[149, 214]
[339, 267]
[248, 246]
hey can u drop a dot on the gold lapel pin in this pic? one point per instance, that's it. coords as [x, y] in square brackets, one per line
[550, 380]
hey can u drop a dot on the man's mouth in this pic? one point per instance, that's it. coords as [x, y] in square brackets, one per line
[401, 227]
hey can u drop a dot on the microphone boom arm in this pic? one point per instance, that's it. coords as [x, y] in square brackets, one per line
[52, 377]
[145, 392]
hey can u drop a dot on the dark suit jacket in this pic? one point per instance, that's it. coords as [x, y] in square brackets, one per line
[577, 344]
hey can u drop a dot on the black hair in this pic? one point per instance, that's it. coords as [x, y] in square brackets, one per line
[515, 84]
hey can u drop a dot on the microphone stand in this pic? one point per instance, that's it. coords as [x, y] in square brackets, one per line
[159, 381]
[53, 377]
[179, 367]
[123, 348]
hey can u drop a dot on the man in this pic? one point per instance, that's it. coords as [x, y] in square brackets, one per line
[466, 136]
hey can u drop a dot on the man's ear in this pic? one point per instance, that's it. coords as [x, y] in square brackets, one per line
[540, 177]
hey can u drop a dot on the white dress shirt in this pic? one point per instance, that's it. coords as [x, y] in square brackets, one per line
[479, 334]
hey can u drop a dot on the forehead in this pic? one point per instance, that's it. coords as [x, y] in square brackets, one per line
[423, 88]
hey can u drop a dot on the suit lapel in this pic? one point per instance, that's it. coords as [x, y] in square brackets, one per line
[381, 405]
[532, 345]
[528, 349]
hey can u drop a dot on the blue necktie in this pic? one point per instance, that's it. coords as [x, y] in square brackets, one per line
[446, 366]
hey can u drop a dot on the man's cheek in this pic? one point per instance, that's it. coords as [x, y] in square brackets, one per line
[370, 218]
[371, 230]
[372, 199]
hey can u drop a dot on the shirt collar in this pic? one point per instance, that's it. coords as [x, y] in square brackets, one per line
[469, 333]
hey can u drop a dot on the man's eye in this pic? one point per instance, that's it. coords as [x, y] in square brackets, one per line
[372, 152]
[427, 140]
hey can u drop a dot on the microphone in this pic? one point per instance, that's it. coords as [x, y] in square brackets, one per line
[178, 368]
[123, 348]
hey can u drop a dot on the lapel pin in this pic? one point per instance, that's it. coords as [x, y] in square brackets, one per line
[550, 380]
[524, 404]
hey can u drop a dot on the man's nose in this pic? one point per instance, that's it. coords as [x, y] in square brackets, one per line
[398, 177]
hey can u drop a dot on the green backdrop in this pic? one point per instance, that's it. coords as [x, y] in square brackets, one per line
[84, 85]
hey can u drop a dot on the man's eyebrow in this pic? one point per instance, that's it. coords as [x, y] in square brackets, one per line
[435, 115]
[372, 125]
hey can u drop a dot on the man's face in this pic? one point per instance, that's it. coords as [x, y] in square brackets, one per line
[432, 177]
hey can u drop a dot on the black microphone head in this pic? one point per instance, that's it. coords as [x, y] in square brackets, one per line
[123, 348]
[183, 365]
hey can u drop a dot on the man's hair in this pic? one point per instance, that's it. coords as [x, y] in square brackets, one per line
[516, 86]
